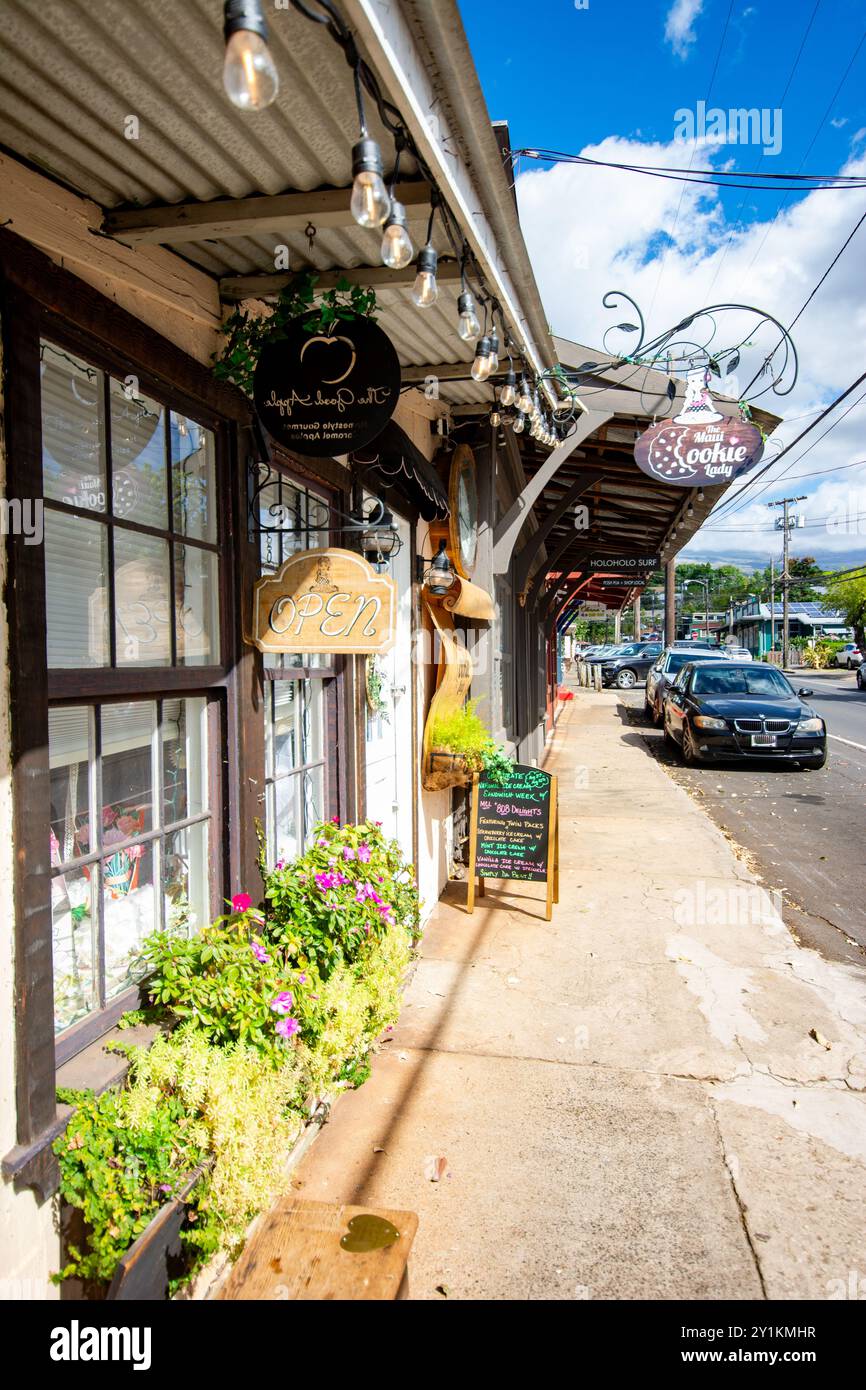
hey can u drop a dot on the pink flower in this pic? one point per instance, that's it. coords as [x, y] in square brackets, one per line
[302, 979]
[335, 820]
[302, 878]
[280, 864]
[259, 952]
[241, 902]
[364, 854]
[322, 844]
[109, 815]
[287, 1026]
[348, 853]
[127, 824]
[342, 880]
[283, 1003]
[325, 882]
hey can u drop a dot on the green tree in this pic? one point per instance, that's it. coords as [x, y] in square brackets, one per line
[804, 573]
[848, 596]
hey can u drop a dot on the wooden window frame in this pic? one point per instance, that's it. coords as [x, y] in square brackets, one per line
[42, 300]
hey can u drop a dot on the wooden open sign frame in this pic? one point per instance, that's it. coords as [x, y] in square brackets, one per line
[552, 853]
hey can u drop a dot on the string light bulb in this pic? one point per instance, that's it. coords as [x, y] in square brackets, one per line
[523, 399]
[397, 248]
[467, 324]
[494, 351]
[480, 369]
[508, 394]
[519, 422]
[425, 290]
[369, 203]
[250, 78]
[495, 418]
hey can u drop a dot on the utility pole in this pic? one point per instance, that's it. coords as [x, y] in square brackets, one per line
[785, 503]
[772, 605]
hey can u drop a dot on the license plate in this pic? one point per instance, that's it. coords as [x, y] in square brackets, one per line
[763, 740]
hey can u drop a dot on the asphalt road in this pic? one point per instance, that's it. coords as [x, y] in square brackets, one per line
[804, 831]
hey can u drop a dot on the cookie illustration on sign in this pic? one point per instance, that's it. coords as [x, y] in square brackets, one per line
[664, 455]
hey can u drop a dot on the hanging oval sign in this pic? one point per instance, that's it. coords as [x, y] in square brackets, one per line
[327, 393]
[698, 455]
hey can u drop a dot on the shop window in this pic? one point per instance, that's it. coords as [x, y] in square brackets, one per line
[130, 830]
[299, 687]
[130, 524]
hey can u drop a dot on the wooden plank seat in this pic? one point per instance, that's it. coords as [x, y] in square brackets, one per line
[314, 1251]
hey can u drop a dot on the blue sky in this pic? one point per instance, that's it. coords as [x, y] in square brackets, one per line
[608, 81]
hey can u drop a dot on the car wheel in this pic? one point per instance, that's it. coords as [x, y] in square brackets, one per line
[690, 752]
[859, 681]
[626, 680]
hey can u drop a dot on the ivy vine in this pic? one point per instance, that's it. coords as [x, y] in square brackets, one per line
[246, 334]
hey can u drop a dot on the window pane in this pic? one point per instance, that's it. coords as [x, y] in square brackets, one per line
[130, 914]
[76, 601]
[285, 730]
[185, 879]
[312, 721]
[127, 780]
[193, 479]
[284, 818]
[184, 759]
[139, 487]
[73, 432]
[314, 799]
[74, 945]
[68, 753]
[197, 606]
[141, 590]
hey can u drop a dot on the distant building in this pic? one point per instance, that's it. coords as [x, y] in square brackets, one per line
[754, 623]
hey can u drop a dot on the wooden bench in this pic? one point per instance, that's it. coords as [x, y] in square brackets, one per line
[315, 1251]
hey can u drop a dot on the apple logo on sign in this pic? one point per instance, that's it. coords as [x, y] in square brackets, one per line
[330, 342]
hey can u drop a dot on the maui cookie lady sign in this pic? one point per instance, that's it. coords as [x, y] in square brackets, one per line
[698, 447]
[327, 393]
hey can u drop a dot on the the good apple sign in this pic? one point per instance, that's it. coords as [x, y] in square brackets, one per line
[698, 454]
[327, 393]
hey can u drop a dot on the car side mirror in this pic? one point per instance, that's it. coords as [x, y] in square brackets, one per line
[801, 694]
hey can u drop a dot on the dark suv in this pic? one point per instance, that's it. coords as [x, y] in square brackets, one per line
[625, 666]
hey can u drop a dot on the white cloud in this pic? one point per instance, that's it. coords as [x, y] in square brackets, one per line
[679, 25]
[837, 122]
[590, 230]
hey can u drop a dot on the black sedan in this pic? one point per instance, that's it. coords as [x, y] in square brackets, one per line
[729, 710]
[628, 664]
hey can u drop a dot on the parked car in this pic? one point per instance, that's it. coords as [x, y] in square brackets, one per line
[861, 676]
[736, 653]
[728, 710]
[626, 666]
[664, 672]
[850, 656]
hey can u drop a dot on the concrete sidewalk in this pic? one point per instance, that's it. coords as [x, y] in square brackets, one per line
[656, 1095]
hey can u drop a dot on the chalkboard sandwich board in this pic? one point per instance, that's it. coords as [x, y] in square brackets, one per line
[515, 832]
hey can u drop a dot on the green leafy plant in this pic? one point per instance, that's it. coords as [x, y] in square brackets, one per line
[376, 689]
[247, 333]
[269, 1006]
[464, 734]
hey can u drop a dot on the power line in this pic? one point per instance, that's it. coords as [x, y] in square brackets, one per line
[708, 178]
[806, 34]
[750, 482]
[807, 301]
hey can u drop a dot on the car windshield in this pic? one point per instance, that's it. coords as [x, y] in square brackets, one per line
[677, 660]
[742, 680]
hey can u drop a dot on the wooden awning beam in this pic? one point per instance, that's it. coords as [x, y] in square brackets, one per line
[172, 224]
[234, 288]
